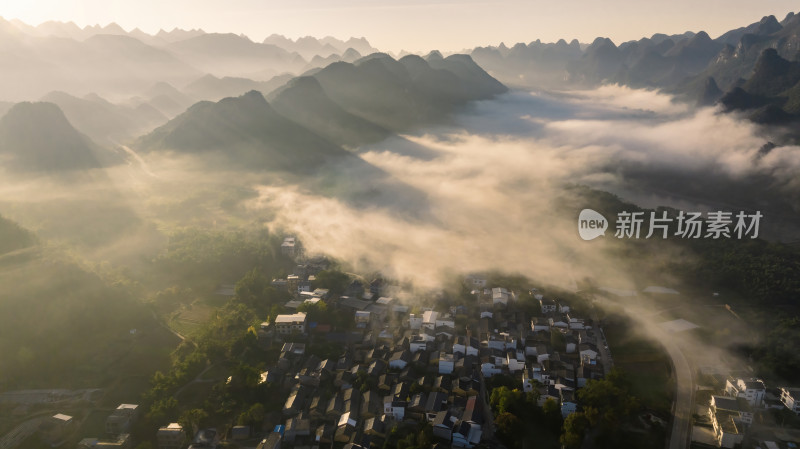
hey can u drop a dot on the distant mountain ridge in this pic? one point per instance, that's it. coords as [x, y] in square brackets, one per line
[752, 64]
[247, 130]
[36, 137]
[309, 119]
[108, 60]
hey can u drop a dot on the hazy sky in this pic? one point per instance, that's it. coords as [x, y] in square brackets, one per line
[412, 24]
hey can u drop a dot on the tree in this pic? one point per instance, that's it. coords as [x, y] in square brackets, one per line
[558, 340]
[552, 415]
[505, 400]
[251, 289]
[610, 397]
[163, 410]
[335, 281]
[191, 419]
[317, 311]
[508, 429]
[574, 430]
[253, 417]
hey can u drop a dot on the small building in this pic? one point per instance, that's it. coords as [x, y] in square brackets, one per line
[288, 246]
[547, 305]
[296, 427]
[292, 283]
[429, 319]
[752, 390]
[400, 360]
[121, 419]
[396, 408]
[446, 363]
[362, 318]
[171, 436]
[443, 425]
[121, 441]
[291, 324]
[56, 428]
[568, 403]
[240, 432]
[476, 281]
[500, 296]
[790, 397]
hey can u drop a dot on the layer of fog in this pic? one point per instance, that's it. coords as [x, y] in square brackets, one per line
[495, 179]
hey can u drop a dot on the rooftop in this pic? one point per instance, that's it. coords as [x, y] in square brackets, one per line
[293, 318]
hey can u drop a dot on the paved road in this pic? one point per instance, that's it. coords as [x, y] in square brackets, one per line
[684, 395]
[683, 404]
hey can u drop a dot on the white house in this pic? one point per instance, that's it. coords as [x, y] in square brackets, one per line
[414, 322]
[753, 390]
[467, 434]
[445, 321]
[735, 406]
[791, 399]
[488, 368]
[576, 324]
[171, 436]
[500, 296]
[558, 323]
[446, 363]
[568, 403]
[588, 350]
[540, 324]
[465, 346]
[727, 424]
[419, 342]
[394, 407]
[528, 382]
[291, 324]
[542, 353]
[429, 319]
[515, 360]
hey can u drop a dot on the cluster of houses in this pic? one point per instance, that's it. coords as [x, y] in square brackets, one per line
[399, 368]
[732, 413]
[57, 429]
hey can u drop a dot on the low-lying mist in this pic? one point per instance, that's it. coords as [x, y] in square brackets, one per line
[491, 191]
[496, 185]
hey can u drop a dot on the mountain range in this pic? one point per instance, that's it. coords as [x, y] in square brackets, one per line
[691, 65]
[309, 120]
[109, 61]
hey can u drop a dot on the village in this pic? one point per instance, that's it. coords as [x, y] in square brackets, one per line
[405, 367]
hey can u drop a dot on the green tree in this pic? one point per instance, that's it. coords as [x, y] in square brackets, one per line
[335, 281]
[558, 340]
[253, 417]
[575, 427]
[509, 428]
[552, 415]
[192, 419]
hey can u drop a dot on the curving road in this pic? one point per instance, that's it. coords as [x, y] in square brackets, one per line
[683, 403]
[680, 436]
